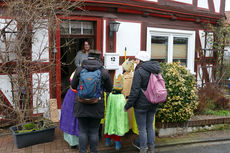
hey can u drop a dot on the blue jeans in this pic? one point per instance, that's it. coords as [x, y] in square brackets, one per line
[145, 126]
[88, 133]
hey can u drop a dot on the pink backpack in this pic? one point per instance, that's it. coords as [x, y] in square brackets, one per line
[156, 91]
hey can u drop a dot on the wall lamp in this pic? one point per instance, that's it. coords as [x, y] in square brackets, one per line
[113, 27]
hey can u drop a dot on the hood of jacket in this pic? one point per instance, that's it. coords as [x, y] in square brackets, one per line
[92, 64]
[151, 66]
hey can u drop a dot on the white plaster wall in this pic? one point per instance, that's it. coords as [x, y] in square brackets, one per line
[227, 48]
[209, 69]
[40, 45]
[202, 37]
[5, 87]
[202, 4]
[200, 74]
[129, 36]
[217, 5]
[210, 39]
[104, 36]
[10, 37]
[184, 1]
[41, 92]
[209, 42]
[11, 27]
[227, 52]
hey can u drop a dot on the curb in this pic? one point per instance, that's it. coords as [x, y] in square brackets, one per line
[130, 148]
[192, 142]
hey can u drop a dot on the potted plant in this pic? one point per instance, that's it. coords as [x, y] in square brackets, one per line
[31, 133]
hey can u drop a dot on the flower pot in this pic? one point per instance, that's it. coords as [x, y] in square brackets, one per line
[31, 138]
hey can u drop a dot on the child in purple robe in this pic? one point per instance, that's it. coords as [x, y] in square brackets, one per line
[68, 123]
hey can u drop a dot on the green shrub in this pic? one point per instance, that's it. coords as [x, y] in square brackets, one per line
[217, 112]
[182, 94]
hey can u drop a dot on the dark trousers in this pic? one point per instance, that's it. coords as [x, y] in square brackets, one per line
[145, 127]
[88, 133]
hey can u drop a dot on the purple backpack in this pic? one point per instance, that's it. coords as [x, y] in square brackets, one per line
[156, 91]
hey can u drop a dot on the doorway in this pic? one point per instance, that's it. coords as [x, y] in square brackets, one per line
[73, 32]
[69, 48]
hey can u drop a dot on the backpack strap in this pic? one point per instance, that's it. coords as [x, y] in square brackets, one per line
[78, 72]
[141, 75]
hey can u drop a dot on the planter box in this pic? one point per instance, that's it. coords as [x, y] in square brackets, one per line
[31, 138]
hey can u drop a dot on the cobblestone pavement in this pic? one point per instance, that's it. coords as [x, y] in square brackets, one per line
[57, 146]
[60, 146]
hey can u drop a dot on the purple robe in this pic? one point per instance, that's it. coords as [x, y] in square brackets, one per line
[69, 123]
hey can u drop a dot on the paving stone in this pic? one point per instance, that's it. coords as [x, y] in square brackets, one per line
[47, 148]
[59, 145]
[1, 141]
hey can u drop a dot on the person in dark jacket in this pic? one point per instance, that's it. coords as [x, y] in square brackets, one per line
[143, 109]
[89, 115]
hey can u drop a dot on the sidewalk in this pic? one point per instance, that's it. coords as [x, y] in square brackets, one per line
[60, 146]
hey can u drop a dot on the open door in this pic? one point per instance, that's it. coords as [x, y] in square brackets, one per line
[69, 40]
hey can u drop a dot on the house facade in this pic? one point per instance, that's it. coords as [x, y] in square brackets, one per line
[168, 30]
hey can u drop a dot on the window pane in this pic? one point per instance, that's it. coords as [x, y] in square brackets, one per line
[75, 27]
[87, 28]
[159, 48]
[180, 47]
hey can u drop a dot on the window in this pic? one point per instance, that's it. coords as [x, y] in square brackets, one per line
[77, 28]
[159, 48]
[180, 49]
[169, 45]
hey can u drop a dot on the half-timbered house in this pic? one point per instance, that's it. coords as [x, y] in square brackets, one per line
[169, 30]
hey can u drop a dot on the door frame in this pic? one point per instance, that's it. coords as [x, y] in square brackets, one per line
[98, 46]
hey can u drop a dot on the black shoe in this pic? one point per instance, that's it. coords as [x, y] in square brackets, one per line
[74, 147]
[136, 144]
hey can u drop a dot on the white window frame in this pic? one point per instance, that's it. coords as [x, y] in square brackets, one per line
[81, 24]
[170, 33]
